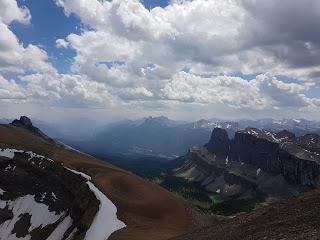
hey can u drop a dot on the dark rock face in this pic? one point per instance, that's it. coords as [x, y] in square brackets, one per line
[25, 122]
[296, 159]
[256, 151]
[48, 183]
[256, 163]
[310, 142]
[286, 135]
[298, 165]
[219, 143]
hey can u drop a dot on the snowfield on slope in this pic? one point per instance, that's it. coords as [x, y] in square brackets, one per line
[40, 214]
[105, 221]
[103, 225]
[10, 152]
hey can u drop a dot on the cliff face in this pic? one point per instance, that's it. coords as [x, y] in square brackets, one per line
[219, 143]
[255, 163]
[261, 152]
[295, 159]
[298, 165]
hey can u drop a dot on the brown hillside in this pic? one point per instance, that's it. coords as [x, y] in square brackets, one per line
[149, 211]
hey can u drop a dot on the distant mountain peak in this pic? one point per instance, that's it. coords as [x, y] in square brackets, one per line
[25, 122]
[22, 122]
[161, 120]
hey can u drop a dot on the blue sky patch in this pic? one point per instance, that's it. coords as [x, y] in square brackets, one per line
[149, 4]
[48, 23]
[111, 64]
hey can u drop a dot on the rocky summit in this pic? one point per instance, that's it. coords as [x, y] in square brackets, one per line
[25, 122]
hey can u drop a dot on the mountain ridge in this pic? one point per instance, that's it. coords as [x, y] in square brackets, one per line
[248, 165]
[162, 137]
[148, 211]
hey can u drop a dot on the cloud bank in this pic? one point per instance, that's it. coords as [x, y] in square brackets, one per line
[191, 52]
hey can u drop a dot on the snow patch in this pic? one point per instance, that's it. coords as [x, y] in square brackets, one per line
[40, 215]
[105, 221]
[227, 160]
[72, 234]
[258, 171]
[8, 153]
[54, 197]
[60, 230]
[252, 132]
[272, 136]
[87, 177]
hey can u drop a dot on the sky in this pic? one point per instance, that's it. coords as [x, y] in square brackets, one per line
[185, 59]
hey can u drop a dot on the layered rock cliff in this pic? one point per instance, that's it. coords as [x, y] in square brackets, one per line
[256, 163]
[296, 159]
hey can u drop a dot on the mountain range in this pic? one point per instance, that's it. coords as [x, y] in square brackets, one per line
[162, 137]
[156, 136]
[264, 165]
[49, 190]
[255, 164]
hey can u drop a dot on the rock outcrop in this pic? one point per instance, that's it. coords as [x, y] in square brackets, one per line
[219, 143]
[34, 187]
[25, 122]
[296, 159]
[256, 163]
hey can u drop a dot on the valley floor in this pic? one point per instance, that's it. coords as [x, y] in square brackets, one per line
[158, 171]
[297, 218]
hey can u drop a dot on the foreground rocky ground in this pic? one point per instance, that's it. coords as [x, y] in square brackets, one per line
[295, 219]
